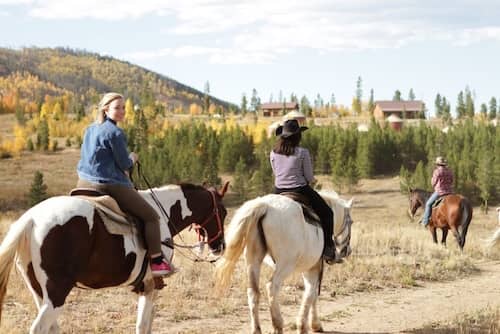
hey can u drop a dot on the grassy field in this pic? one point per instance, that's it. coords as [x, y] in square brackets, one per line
[389, 252]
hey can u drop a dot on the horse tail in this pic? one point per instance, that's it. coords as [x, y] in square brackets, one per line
[242, 224]
[466, 210]
[10, 245]
[494, 240]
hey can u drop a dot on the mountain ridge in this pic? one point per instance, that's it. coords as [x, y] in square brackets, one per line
[88, 74]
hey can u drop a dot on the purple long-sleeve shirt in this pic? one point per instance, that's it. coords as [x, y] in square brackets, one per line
[292, 171]
[442, 180]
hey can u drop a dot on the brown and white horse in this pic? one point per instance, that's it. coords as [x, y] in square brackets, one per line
[62, 242]
[453, 213]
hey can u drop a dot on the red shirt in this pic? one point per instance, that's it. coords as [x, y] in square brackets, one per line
[442, 180]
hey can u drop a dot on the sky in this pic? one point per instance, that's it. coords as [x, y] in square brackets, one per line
[279, 47]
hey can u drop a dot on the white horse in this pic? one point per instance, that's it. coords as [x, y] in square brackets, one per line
[494, 240]
[274, 227]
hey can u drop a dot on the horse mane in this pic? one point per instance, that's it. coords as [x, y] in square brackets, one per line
[191, 186]
[187, 186]
[333, 196]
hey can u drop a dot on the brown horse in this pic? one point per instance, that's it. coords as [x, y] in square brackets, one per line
[64, 242]
[453, 212]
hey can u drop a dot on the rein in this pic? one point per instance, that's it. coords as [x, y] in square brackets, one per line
[197, 227]
[344, 238]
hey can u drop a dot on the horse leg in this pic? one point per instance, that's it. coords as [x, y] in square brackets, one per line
[54, 288]
[254, 255]
[145, 309]
[309, 301]
[24, 266]
[457, 237]
[433, 233]
[273, 287]
[443, 238]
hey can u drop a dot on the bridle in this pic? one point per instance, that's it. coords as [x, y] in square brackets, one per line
[198, 227]
[201, 226]
[343, 238]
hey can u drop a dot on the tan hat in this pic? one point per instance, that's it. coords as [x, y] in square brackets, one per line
[441, 161]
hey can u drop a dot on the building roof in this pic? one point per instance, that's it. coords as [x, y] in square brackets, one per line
[390, 106]
[280, 105]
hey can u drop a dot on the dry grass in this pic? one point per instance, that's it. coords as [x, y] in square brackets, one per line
[388, 251]
[482, 321]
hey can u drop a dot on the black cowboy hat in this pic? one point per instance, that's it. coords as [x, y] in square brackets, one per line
[289, 128]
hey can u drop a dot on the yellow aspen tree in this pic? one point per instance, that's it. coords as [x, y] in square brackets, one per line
[194, 109]
[57, 112]
[20, 139]
[45, 110]
[129, 112]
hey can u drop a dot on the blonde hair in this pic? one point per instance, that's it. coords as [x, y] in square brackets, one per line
[104, 103]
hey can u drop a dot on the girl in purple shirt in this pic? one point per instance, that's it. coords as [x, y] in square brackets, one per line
[292, 168]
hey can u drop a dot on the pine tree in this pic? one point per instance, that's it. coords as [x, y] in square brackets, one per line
[206, 98]
[240, 180]
[305, 106]
[397, 95]
[244, 104]
[364, 156]
[484, 110]
[254, 101]
[404, 180]
[438, 106]
[29, 145]
[469, 103]
[38, 190]
[356, 104]
[446, 109]
[460, 109]
[371, 102]
[493, 108]
[411, 95]
[351, 174]
[42, 135]
[420, 179]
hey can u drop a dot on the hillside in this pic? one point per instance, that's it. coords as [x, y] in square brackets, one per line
[87, 74]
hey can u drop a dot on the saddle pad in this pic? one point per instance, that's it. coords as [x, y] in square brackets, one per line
[309, 214]
[114, 219]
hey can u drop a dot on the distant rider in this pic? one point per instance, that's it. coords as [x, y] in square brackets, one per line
[442, 182]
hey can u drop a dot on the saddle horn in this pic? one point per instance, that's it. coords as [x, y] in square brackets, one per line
[224, 189]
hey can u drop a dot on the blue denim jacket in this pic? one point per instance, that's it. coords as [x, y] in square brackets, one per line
[104, 155]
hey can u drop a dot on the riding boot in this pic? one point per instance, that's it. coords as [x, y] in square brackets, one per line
[329, 252]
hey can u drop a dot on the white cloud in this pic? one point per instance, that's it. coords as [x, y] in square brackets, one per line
[260, 30]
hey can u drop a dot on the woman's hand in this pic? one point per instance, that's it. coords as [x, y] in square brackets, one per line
[134, 157]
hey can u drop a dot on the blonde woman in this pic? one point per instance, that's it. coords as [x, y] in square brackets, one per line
[104, 165]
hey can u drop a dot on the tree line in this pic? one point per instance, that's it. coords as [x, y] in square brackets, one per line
[198, 153]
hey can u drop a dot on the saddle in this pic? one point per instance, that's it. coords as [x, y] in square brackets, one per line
[439, 200]
[309, 214]
[115, 220]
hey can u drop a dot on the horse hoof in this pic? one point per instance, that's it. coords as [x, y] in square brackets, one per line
[317, 328]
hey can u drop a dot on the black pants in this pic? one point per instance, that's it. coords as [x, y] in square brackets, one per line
[319, 205]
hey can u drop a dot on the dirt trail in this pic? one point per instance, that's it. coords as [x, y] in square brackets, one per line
[385, 311]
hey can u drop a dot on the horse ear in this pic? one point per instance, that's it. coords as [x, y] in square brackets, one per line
[350, 202]
[224, 189]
